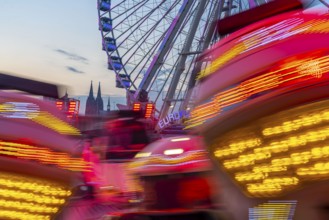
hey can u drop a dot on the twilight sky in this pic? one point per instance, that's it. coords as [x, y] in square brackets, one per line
[55, 41]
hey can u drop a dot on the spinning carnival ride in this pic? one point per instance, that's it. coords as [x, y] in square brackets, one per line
[152, 46]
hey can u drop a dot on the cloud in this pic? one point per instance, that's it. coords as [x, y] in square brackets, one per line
[72, 69]
[72, 56]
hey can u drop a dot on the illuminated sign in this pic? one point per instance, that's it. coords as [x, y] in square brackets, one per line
[279, 153]
[19, 110]
[26, 197]
[27, 110]
[172, 117]
[274, 210]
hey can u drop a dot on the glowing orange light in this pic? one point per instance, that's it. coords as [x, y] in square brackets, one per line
[59, 105]
[72, 106]
[137, 107]
[149, 110]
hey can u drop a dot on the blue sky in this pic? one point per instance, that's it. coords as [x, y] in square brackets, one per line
[55, 41]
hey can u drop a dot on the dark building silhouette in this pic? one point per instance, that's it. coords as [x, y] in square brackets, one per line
[94, 106]
[99, 101]
[109, 104]
[91, 102]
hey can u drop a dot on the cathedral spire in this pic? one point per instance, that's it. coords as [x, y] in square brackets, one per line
[109, 104]
[91, 108]
[99, 90]
[91, 91]
[99, 100]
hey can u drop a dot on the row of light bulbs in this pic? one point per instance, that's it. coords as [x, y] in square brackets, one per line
[11, 214]
[272, 163]
[27, 197]
[43, 155]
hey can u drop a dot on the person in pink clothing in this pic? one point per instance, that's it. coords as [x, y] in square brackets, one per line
[91, 153]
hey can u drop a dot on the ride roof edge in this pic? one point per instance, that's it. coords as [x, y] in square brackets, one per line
[235, 22]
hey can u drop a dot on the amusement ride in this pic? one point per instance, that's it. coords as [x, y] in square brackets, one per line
[249, 81]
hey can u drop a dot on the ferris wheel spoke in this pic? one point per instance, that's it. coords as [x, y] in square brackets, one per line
[124, 13]
[183, 86]
[138, 24]
[151, 51]
[145, 36]
[176, 62]
[148, 33]
[171, 67]
[167, 78]
[187, 4]
[182, 59]
[145, 61]
[119, 4]
[208, 33]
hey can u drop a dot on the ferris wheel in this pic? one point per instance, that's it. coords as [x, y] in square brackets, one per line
[152, 45]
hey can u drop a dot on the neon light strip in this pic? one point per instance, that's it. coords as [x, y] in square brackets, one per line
[48, 120]
[10, 214]
[256, 38]
[27, 206]
[26, 197]
[267, 165]
[159, 159]
[301, 70]
[174, 165]
[274, 209]
[42, 155]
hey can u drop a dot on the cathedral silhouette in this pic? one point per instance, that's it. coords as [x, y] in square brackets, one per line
[95, 106]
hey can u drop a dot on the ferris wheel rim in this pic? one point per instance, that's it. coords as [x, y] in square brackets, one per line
[106, 49]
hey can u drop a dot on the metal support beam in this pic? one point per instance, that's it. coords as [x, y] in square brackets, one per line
[182, 58]
[260, 2]
[165, 46]
[173, 100]
[325, 3]
[190, 53]
[210, 33]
